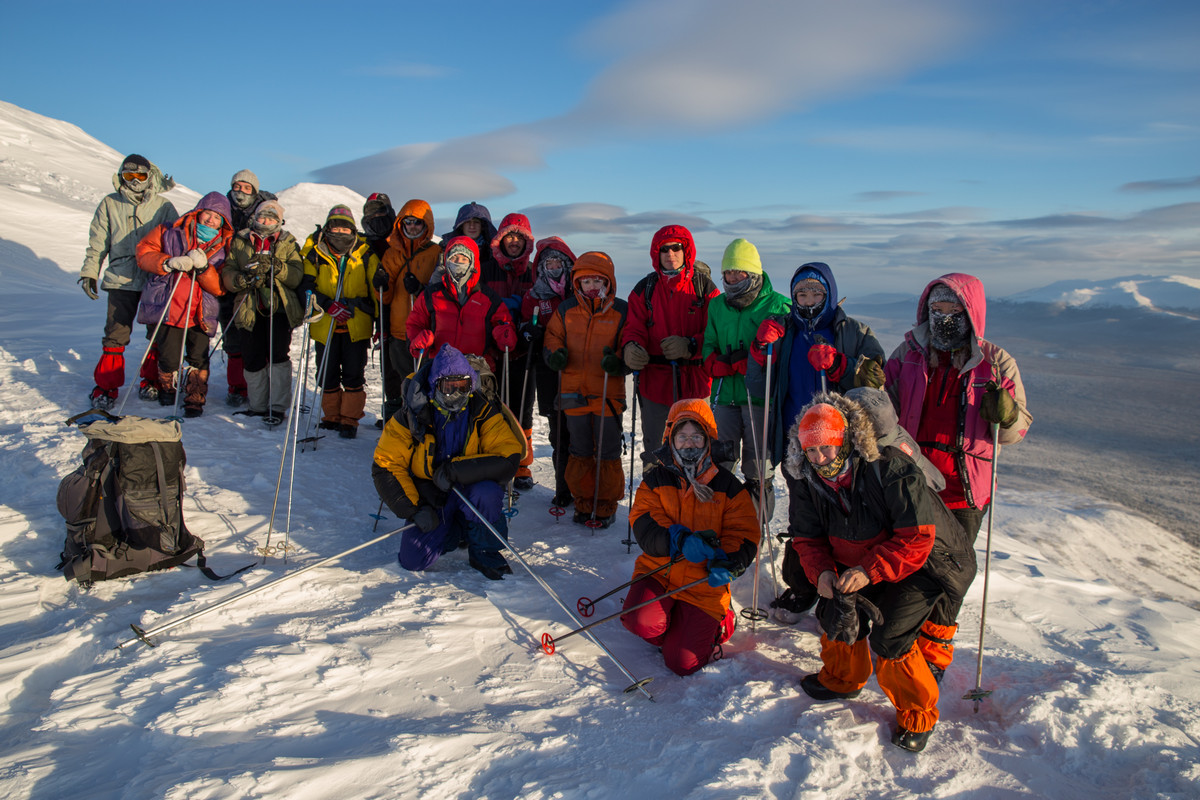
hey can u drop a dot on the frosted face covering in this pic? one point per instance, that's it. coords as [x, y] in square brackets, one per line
[949, 331]
[451, 392]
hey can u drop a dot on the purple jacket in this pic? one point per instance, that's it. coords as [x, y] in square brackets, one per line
[176, 240]
[907, 372]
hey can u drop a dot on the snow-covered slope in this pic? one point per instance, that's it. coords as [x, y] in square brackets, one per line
[1152, 293]
[307, 204]
[361, 680]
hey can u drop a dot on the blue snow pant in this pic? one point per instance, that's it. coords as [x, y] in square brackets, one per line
[419, 550]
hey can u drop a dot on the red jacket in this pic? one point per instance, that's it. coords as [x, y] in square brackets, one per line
[470, 326]
[674, 307]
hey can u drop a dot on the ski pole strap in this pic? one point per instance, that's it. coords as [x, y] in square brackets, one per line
[590, 603]
[202, 565]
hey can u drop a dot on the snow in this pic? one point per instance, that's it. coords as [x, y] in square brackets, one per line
[1177, 292]
[358, 679]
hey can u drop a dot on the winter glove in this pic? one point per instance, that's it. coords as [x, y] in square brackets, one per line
[676, 348]
[199, 259]
[636, 357]
[89, 287]
[179, 264]
[443, 476]
[426, 518]
[770, 331]
[381, 281]
[738, 359]
[411, 284]
[363, 304]
[422, 341]
[532, 334]
[718, 366]
[722, 571]
[557, 360]
[843, 617]
[695, 546]
[612, 364]
[869, 373]
[826, 357]
[339, 312]
[505, 336]
[998, 406]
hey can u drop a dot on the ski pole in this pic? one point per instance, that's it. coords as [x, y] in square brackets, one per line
[632, 449]
[760, 458]
[143, 636]
[269, 419]
[558, 511]
[549, 643]
[319, 390]
[594, 523]
[154, 336]
[637, 685]
[181, 373]
[587, 607]
[294, 425]
[979, 693]
[674, 381]
[755, 612]
[287, 530]
[521, 412]
[212, 350]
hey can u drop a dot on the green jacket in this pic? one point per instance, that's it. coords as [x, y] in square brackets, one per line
[118, 225]
[251, 302]
[734, 328]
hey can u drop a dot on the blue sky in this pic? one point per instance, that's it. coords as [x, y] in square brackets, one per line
[1020, 141]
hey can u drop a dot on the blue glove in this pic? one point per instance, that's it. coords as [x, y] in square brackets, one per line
[696, 547]
[718, 576]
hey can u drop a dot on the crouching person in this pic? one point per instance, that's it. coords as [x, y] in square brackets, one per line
[883, 552]
[448, 435]
[693, 514]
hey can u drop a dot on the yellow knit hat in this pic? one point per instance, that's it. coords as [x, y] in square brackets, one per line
[740, 254]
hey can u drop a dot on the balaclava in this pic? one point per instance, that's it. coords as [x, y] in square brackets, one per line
[947, 331]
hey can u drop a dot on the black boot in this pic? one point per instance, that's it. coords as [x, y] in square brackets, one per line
[817, 691]
[911, 740]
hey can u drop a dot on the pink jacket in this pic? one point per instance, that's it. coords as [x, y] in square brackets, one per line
[907, 372]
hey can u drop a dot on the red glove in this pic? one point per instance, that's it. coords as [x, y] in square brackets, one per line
[740, 366]
[505, 336]
[826, 357]
[716, 367]
[339, 312]
[769, 332]
[422, 341]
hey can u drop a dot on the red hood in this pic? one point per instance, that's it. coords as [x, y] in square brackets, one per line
[969, 290]
[677, 233]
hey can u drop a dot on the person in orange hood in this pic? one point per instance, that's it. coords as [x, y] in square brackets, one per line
[580, 342]
[408, 264]
[693, 514]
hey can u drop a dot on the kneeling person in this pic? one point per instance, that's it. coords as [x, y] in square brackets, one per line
[448, 435]
[695, 513]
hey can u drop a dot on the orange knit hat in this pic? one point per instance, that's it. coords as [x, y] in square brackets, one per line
[822, 426]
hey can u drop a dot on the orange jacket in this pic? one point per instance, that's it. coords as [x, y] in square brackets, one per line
[404, 255]
[585, 327]
[666, 498]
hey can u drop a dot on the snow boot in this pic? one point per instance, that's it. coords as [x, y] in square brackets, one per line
[353, 403]
[817, 691]
[109, 373]
[256, 392]
[331, 410]
[912, 741]
[103, 399]
[196, 392]
[166, 387]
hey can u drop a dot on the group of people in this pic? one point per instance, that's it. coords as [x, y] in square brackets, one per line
[886, 458]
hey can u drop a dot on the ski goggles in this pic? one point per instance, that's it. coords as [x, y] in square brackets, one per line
[453, 385]
[673, 247]
[135, 176]
[413, 222]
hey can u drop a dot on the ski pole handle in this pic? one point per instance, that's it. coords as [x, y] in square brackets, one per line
[549, 642]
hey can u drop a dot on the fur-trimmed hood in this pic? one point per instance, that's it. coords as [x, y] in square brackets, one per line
[859, 428]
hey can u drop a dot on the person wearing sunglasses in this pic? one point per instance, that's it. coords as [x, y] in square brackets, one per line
[411, 257]
[122, 218]
[692, 514]
[663, 338]
[449, 435]
[183, 261]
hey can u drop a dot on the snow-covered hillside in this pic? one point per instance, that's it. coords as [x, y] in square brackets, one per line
[1174, 293]
[361, 680]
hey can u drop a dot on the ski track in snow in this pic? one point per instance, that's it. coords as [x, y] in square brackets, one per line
[362, 680]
